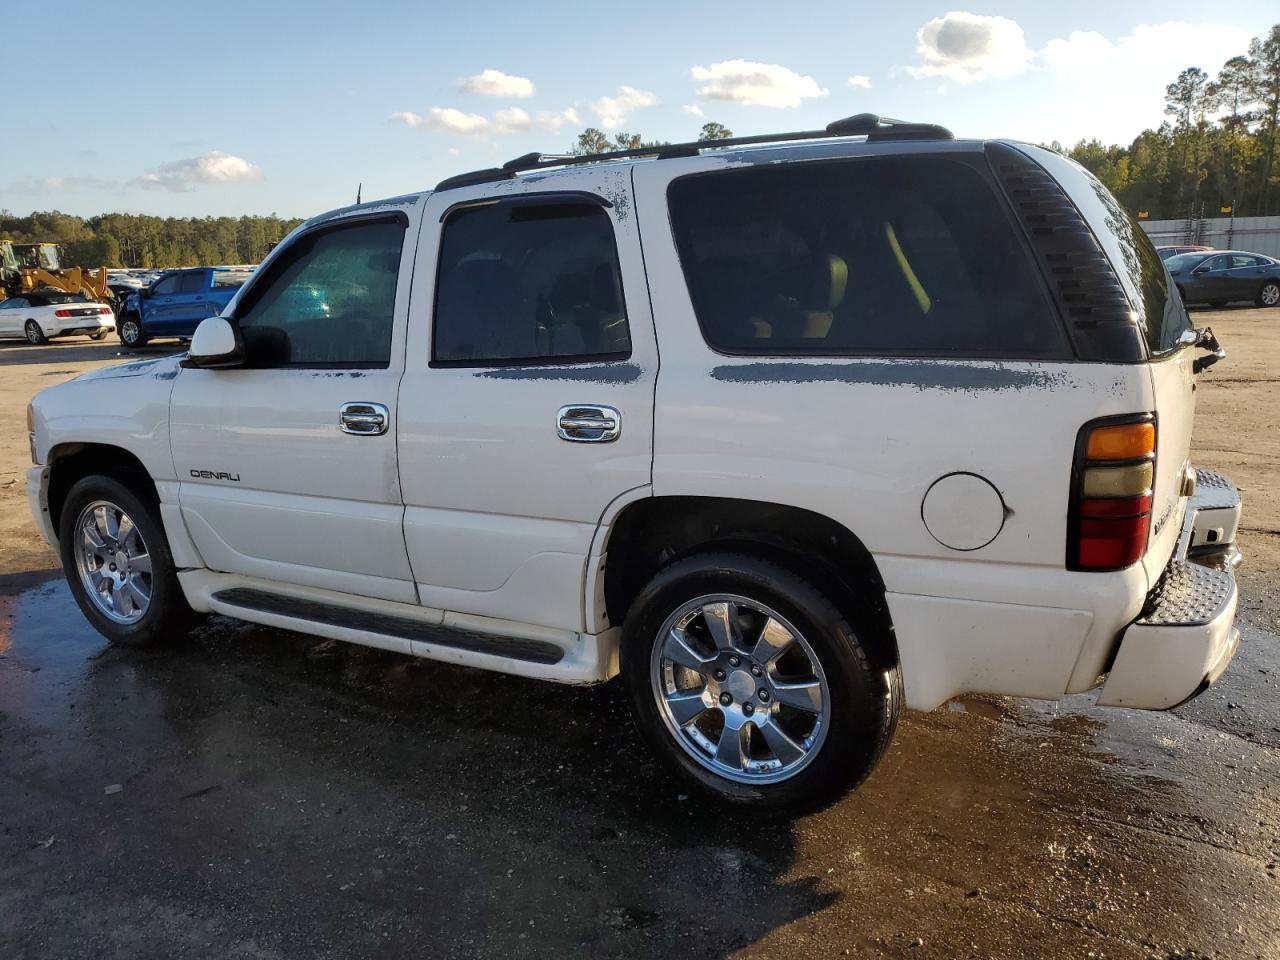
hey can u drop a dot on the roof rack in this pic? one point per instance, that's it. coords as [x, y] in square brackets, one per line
[867, 125]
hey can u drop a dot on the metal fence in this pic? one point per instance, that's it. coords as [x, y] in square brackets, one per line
[1255, 234]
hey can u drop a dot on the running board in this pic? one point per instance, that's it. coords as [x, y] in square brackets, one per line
[389, 625]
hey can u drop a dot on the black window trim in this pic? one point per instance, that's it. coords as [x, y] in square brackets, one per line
[974, 161]
[261, 276]
[538, 198]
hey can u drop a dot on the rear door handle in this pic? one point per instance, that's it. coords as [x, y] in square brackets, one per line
[588, 423]
[364, 419]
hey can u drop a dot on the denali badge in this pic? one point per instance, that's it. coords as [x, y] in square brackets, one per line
[219, 475]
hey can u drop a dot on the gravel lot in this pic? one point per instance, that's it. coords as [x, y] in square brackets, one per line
[256, 793]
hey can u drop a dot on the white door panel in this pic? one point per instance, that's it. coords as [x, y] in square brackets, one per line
[500, 511]
[271, 484]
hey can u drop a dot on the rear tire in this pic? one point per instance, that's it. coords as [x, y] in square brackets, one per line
[100, 334]
[773, 731]
[1269, 295]
[35, 336]
[137, 600]
[130, 331]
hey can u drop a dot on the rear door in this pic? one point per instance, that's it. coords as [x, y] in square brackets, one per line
[527, 401]
[288, 464]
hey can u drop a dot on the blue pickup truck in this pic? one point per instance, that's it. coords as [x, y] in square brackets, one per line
[176, 302]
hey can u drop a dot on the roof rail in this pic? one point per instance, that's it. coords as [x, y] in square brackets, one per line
[867, 125]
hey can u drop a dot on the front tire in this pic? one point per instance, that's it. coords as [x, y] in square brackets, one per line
[116, 559]
[130, 331]
[35, 335]
[750, 684]
[1269, 295]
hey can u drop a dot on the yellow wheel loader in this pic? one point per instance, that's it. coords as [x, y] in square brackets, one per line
[38, 266]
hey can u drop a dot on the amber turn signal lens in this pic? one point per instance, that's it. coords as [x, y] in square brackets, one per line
[1125, 441]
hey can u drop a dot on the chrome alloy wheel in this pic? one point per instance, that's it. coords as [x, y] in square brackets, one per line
[1271, 294]
[740, 689]
[113, 562]
[33, 332]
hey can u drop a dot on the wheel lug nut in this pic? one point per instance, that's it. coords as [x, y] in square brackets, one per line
[755, 670]
[748, 709]
[764, 696]
[719, 674]
[725, 699]
[734, 661]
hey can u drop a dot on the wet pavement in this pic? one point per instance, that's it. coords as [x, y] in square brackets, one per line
[254, 793]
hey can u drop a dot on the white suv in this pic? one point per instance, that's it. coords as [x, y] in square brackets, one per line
[789, 431]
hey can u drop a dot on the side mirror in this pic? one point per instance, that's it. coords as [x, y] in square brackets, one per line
[216, 343]
[1199, 271]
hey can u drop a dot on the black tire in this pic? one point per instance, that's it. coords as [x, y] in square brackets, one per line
[865, 700]
[99, 334]
[130, 331]
[167, 617]
[35, 336]
[1269, 294]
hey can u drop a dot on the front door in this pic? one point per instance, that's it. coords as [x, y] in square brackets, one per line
[527, 403]
[1213, 280]
[11, 316]
[287, 465]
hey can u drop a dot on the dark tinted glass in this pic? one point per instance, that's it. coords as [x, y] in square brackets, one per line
[328, 301]
[878, 256]
[537, 284]
[167, 285]
[191, 283]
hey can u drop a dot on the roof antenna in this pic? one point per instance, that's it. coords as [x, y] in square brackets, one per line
[359, 187]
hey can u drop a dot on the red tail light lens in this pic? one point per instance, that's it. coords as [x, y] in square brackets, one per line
[1109, 516]
[62, 313]
[104, 310]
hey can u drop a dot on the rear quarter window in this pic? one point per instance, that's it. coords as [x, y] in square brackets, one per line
[1133, 256]
[873, 256]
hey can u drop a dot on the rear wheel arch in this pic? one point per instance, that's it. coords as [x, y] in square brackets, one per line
[651, 533]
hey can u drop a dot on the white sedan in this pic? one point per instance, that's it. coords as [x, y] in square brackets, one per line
[39, 315]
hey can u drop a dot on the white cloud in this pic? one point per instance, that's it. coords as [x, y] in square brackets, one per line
[454, 152]
[46, 186]
[208, 168]
[693, 109]
[1139, 64]
[553, 120]
[408, 118]
[860, 80]
[755, 84]
[506, 120]
[613, 111]
[495, 83]
[966, 47]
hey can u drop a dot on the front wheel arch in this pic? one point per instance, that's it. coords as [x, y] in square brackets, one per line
[71, 461]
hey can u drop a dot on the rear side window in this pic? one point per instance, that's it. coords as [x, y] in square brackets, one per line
[529, 284]
[871, 256]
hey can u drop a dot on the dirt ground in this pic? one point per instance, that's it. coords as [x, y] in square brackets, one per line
[261, 794]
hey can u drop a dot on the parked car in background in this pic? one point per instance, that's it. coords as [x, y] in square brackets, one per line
[174, 304]
[923, 428]
[1167, 252]
[1222, 276]
[41, 314]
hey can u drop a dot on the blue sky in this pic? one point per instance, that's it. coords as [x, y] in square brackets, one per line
[263, 107]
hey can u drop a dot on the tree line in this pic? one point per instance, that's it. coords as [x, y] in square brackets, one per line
[1217, 152]
[134, 240]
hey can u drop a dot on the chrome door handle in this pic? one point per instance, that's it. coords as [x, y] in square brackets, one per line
[587, 423]
[364, 419]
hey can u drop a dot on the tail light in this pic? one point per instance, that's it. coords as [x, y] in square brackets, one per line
[62, 313]
[1111, 481]
[104, 310]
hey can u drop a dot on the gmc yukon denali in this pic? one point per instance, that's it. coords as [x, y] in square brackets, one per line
[791, 432]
